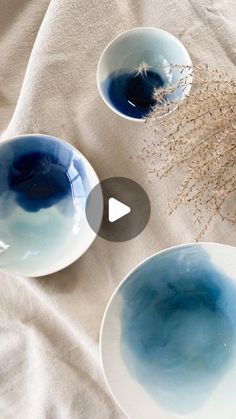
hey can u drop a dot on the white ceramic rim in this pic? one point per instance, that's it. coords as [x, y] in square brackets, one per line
[95, 180]
[119, 286]
[138, 28]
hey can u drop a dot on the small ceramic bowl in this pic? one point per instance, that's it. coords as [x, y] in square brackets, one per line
[44, 183]
[168, 337]
[136, 63]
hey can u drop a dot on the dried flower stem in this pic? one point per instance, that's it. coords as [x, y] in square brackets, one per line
[197, 137]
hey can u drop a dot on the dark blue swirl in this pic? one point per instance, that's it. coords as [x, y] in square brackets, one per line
[132, 94]
[38, 172]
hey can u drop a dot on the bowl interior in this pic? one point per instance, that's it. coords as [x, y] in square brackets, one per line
[44, 184]
[170, 328]
[157, 49]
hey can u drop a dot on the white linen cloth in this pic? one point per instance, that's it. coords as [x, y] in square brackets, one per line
[49, 359]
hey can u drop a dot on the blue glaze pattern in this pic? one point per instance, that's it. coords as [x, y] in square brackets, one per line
[39, 175]
[43, 189]
[178, 317]
[132, 93]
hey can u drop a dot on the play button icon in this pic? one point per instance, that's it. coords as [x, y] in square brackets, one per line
[118, 209]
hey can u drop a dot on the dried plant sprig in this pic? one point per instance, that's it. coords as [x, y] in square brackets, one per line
[142, 69]
[197, 139]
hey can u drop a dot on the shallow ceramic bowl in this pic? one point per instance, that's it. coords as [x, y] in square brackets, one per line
[158, 49]
[44, 183]
[168, 337]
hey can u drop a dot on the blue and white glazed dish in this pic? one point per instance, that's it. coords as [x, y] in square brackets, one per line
[135, 64]
[168, 337]
[44, 183]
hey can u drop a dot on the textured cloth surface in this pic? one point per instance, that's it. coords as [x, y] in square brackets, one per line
[49, 359]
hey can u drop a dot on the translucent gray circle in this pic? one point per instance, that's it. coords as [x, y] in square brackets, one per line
[126, 191]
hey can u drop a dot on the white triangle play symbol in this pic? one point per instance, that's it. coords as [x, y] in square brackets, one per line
[117, 209]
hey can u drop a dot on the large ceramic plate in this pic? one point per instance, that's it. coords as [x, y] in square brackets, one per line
[168, 338]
